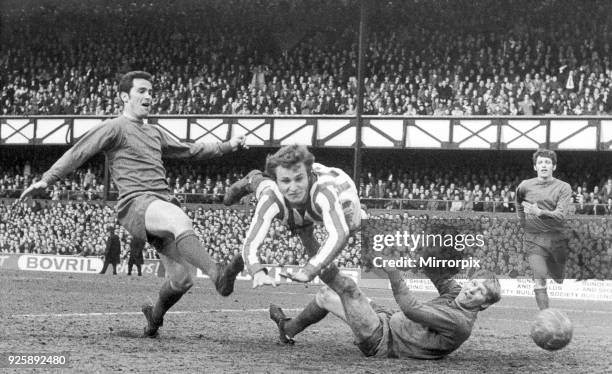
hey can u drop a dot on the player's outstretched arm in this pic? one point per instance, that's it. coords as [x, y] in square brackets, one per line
[414, 309]
[173, 148]
[267, 208]
[238, 142]
[95, 140]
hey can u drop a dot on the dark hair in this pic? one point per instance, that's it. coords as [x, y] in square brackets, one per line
[491, 283]
[546, 153]
[287, 157]
[127, 80]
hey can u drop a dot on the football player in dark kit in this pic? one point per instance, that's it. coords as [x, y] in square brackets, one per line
[542, 205]
[146, 207]
[425, 330]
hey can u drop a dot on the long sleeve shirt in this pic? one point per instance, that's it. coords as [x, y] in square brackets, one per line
[552, 196]
[432, 329]
[135, 151]
[326, 195]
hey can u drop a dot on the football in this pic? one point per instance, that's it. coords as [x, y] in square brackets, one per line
[552, 329]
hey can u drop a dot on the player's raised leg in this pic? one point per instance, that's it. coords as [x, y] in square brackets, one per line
[166, 220]
[248, 184]
[177, 284]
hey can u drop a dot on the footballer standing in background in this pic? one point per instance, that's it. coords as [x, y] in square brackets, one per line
[542, 205]
[146, 207]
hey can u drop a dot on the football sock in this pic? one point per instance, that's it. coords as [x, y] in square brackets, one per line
[190, 247]
[312, 314]
[541, 297]
[168, 296]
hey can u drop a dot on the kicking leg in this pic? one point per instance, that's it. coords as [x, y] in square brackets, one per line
[178, 283]
[243, 187]
[166, 220]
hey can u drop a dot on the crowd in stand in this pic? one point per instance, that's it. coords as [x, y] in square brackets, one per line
[79, 229]
[466, 57]
[412, 180]
[421, 191]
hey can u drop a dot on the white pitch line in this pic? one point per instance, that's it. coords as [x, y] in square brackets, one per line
[108, 314]
[186, 312]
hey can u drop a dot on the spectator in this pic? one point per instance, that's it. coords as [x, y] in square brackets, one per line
[112, 256]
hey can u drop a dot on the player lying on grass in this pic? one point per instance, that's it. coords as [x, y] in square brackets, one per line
[423, 330]
[300, 193]
[146, 207]
[542, 204]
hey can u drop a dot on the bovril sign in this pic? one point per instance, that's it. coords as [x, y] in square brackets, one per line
[69, 264]
[60, 264]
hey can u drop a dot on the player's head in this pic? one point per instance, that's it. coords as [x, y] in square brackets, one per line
[544, 162]
[480, 292]
[135, 91]
[291, 167]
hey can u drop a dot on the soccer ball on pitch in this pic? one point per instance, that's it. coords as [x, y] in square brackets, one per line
[551, 330]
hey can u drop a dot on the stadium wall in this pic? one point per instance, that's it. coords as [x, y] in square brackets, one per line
[486, 132]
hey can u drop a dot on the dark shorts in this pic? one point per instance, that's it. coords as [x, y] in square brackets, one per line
[552, 246]
[378, 344]
[131, 215]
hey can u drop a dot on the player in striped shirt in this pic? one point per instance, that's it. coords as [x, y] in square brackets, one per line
[542, 206]
[300, 194]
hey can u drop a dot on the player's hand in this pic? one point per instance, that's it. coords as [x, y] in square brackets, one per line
[301, 276]
[40, 185]
[238, 142]
[262, 279]
[531, 208]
